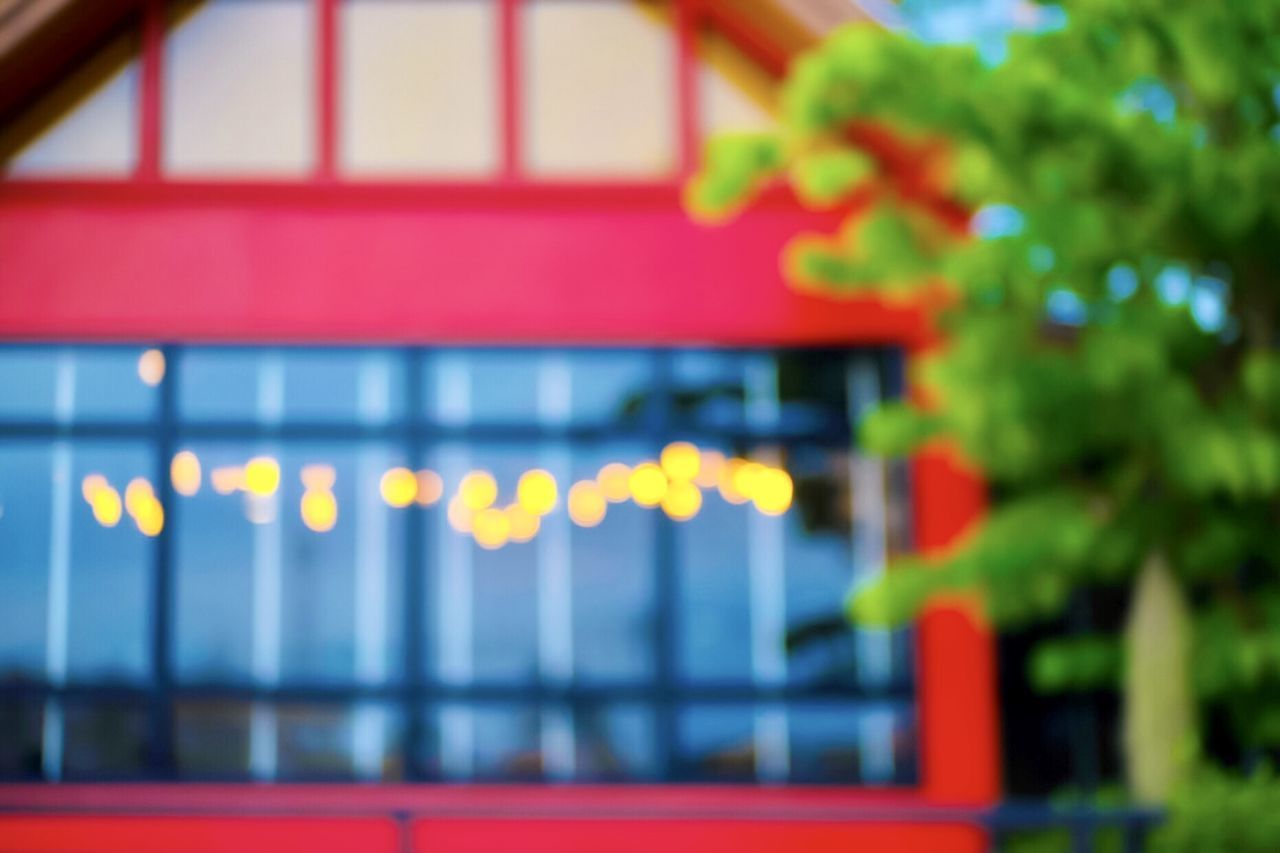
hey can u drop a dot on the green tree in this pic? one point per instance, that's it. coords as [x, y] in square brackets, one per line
[1110, 317]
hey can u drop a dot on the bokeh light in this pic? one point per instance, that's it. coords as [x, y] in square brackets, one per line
[399, 487]
[680, 460]
[733, 477]
[136, 494]
[149, 516]
[106, 506]
[262, 475]
[91, 484]
[491, 528]
[460, 515]
[478, 490]
[430, 487]
[615, 481]
[227, 479]
[711, 464]
[682, 500]
[587, 503]
[318, 477]
[151, 367]
[772, 491]
[524, 524]
[648, 484]
[319, 510]
[536, 492]
[184, 473]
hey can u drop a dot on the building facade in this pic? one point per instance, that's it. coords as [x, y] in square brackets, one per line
[372, 416]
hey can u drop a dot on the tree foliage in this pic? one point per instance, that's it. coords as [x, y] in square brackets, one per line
[1100, 212]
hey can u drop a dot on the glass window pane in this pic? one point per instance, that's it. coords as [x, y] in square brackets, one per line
[86, 125]
[26, 491]
[264, 592]
[66, 384]
[610, 387]
[269, 386]
[256, 114]
[615, 743]
[480, 387]
[491, 741]
[613, 581]
[211, 739]
[327, 742]
[108, 604]
[21, 721]
[716, 743]
[714, 615]
[599, 78]
[850, 743]
[104, 740]
[486, 616]
[419, 87]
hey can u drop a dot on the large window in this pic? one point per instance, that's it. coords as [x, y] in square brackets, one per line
[456, 564]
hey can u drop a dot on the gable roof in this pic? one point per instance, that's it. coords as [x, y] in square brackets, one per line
[41, 41]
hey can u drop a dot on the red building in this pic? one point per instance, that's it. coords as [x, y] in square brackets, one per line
[345, 241]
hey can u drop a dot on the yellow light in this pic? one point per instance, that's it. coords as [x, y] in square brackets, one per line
[682, 500]
[92, 484]
[136, 496]
[318, 477]
[524, 525]
[772, 491]
[459, 515]
[262, 475]
[735, 480]
[709, 471]
[587, 503]
[680, 460]
[430, 487]
[399, 487]
[319, 510]
[648, 484]
[491, 527]
[478, 490]
[106, 506]
[184, 473]
[227, 480]
[150, 517]
[615, 482]
[536, 492]
[151, 367]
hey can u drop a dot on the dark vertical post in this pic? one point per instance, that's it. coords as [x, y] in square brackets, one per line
[666, 590]
[160, 710]
[414, 588]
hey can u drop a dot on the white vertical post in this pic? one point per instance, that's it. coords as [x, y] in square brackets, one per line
[268, 557]
[59, 601]
[368, 729]
[768, 592]
[455, 598]
[555, 572]
[872, 646]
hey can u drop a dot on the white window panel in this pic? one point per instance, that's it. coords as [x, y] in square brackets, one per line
[239, 91]
[599, 89]
[419, 87]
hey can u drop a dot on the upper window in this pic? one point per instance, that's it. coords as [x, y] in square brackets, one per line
[421, 90]
[446, 564]
[238, 87]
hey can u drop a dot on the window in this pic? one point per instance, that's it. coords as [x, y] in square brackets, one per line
[238, 97]
[419, 87]
[280, 563]
[598, 77]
